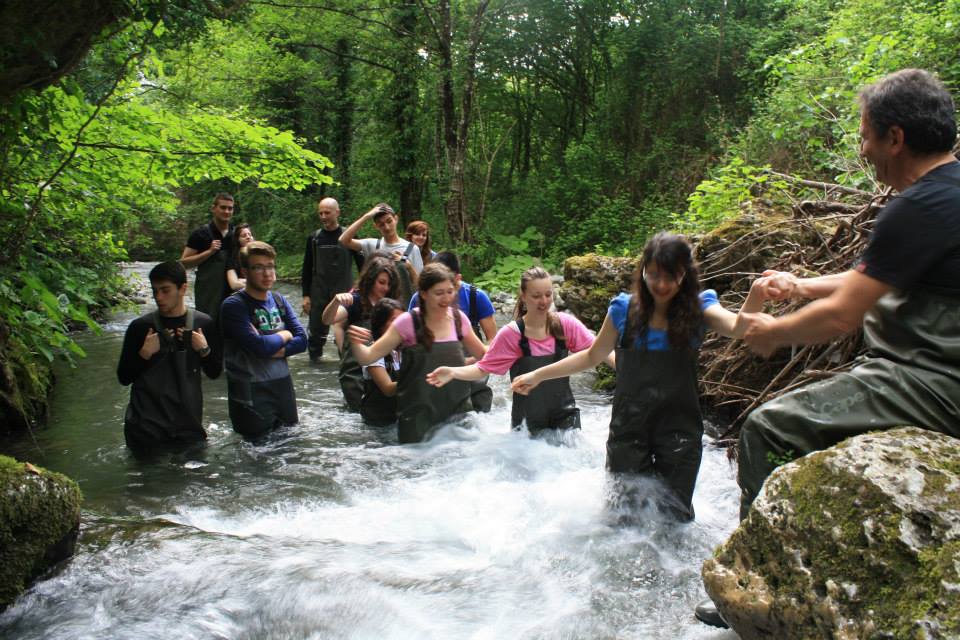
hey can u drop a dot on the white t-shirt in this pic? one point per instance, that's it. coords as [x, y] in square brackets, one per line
[369, 246]
[382, 363]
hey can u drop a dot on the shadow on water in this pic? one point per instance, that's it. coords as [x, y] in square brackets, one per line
[329, 529]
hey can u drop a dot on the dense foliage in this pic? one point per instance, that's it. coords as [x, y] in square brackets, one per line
[521, 132]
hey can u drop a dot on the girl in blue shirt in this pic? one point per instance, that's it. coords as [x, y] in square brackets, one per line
[656, 428]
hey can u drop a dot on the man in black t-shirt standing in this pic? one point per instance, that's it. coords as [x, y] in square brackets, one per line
[327, 270]
[208, 248]
[162, 355]
[905, 293]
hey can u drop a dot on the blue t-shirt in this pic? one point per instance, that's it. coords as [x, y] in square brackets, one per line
[256, 333]
[484, 306]
[657, 339]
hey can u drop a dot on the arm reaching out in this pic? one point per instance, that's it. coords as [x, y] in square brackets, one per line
[580, 361]
[379, 349]
[442, 375]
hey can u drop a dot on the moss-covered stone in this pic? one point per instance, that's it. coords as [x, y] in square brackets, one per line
[25, 382]
[39, 521]
[591, 281]
[858, 541]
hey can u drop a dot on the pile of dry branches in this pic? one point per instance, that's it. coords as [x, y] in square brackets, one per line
[823, 236]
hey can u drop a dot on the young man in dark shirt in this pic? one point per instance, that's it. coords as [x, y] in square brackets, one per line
[260, 331]
[208, 248]
[162, 355]
[326, 272]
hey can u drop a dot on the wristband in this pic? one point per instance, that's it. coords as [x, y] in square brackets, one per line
[203, 353]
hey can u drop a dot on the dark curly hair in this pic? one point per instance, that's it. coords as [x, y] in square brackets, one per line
[372, 268]
[917, 102]
[672, 255]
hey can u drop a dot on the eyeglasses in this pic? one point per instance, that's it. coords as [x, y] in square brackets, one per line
[263, 268]
[663, 277]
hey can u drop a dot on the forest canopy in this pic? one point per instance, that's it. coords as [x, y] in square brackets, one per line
[521, 131]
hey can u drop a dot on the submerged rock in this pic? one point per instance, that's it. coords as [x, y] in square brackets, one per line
[861, 540]
[39, 522]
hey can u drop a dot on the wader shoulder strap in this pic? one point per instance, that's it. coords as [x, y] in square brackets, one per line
[379, 240]
[472, 312]
[162, 332]
[282, 308]
[408, 250]
[625, 336]
[417, 321]
[559, 346]
[524, 343]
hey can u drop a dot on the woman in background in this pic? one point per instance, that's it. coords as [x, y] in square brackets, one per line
[243, 235]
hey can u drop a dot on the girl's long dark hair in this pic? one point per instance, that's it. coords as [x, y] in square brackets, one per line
[372, 268]
[382, 311]
[433, 274]
[673, 256]
[554, 327]
[381, 314]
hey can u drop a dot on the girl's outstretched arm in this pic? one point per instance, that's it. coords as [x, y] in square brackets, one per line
[379, 349]
[730, 324]
[580, 361]
[442, 375]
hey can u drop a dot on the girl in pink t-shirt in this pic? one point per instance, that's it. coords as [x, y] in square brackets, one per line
[433, 335]
[538, 336]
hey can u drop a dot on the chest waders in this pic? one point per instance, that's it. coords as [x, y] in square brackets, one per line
[910, 376]
[420, 406]
[550, 405]
[376, 408]
[257, 406]
[656, 427]
[405, 286]
[350, 374]
[211, 284]
[481, 395]
[332, 274]
[166, 405]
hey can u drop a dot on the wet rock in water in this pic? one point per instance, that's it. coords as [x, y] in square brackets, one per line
[39, 522]
[861, 540]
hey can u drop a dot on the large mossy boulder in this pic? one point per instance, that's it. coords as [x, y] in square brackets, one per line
[39, 522]
[591, 281]
[861, 540]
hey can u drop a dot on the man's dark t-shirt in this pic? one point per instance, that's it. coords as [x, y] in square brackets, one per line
[201, 238]
[916, 239]
[132, 366]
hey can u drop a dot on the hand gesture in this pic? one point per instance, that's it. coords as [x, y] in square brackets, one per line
[524, 384]
[151, 345]
[306, 304]
[440, 376]
[759, 333]
[215, 246]
[777, 285]
[359, 335]
[198, 341]
[345, 299]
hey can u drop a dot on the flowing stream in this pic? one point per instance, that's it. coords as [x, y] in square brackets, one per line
[329, 529]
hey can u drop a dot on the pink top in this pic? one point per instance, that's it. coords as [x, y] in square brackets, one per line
[505, 348]
[404, 326]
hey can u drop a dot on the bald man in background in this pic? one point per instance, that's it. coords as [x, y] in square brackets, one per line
[326, 272]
